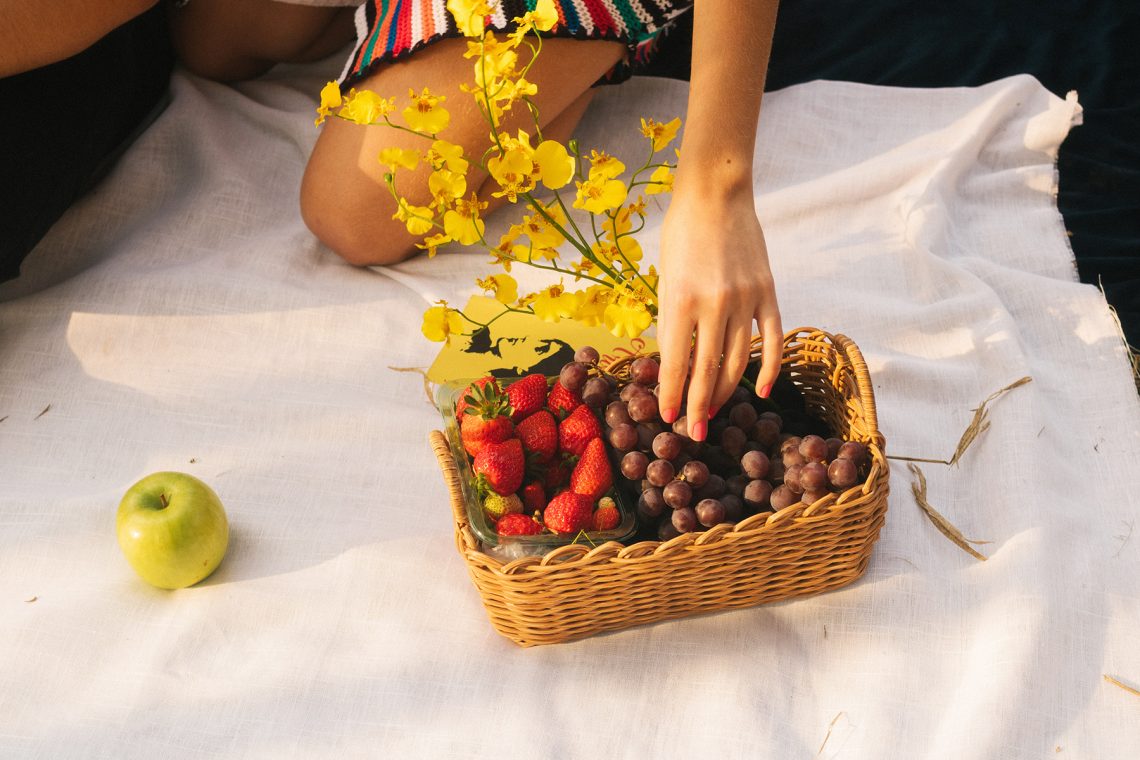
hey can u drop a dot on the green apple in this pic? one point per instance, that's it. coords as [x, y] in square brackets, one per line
[172, 529]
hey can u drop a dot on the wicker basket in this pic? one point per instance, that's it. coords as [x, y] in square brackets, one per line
[575, 591]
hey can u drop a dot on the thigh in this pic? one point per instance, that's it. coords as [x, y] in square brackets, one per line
[345, 180]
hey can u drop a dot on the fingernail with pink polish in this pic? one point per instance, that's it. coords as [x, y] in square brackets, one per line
[669, 415]
[765, 391]
[700, 430]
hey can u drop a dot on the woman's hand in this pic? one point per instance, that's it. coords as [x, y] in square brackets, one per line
[715, 282]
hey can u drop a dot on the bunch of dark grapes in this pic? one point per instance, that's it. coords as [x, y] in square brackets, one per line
[749, 464]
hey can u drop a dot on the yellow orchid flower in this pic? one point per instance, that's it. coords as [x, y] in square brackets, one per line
[660, 134]
[395, 158]
[502, 286]
[553, 303]
[366, 107]
[470, 15]
[592, 305]
[418, 219]
[542, 233]
[443, 154]
[425, 115]
[599, 195]
[660, 181]
[555, 164]
[330, 99]
[462, 223]
[445, 186]
[628, 314]
[431, 243]
[440, 322]
[603, 165]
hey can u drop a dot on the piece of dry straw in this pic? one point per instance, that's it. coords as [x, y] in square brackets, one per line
[978, 425]
[918, 487]
[1124, 686]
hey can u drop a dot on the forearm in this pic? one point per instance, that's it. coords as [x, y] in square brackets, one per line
[35, 34]
[732, 41]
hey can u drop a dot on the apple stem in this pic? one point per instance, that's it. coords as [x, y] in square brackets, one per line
[162, 498]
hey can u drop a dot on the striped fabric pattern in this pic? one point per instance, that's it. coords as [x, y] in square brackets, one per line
[389, 30]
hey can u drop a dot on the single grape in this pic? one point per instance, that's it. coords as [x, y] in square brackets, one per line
[732, 441]
[646, 432]
[742, 415]
[651, 503]
[684, 519]
[733, 507]
[792, 458]
[710, 512]
[681, 460]
[714, 488]
[776, 418]
[623, 437]
[757, 494]
[755, 464]
[765, 432]
[695, 473]
[833, 445]
[616, 414]
[792, 478]
[811, 497]
[596, 392]
[631, 390]
[573, 376]
[681, 426]
[783, 497]
[813, 448]
[854, 451]
[660, 472]
[735, 484]
[789, 443]
[633, 465]
[643, 407]
[813, 476]
[678, 494]
[666, 531]
[667, 445]
[587, 355]
[739, 394]
[644, 370]
[842, 473]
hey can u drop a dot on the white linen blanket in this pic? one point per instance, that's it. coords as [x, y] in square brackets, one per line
[181, 317]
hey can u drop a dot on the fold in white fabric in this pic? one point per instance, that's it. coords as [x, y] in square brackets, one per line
[182, 318]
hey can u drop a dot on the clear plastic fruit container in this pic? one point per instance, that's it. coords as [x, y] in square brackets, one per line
[512, 547]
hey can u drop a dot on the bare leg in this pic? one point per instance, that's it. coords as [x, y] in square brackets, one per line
[229, 40]
[344, 200]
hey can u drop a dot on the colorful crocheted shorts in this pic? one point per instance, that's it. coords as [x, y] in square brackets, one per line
[390, 30]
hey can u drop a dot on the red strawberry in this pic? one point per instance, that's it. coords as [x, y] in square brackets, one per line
[557, 474]
[527, 396]
[592, 476]
[539, 435]
[533, 497]
[562, 401]
[577, 430]
[607, 516]
[500, 466]
[517, 525]
[463, 403]
[568, 512]
[486, 418]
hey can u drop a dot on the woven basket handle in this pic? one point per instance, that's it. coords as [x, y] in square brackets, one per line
[862, 378]
[451, 476]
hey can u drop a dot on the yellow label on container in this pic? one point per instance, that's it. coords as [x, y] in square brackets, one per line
[518, 344]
